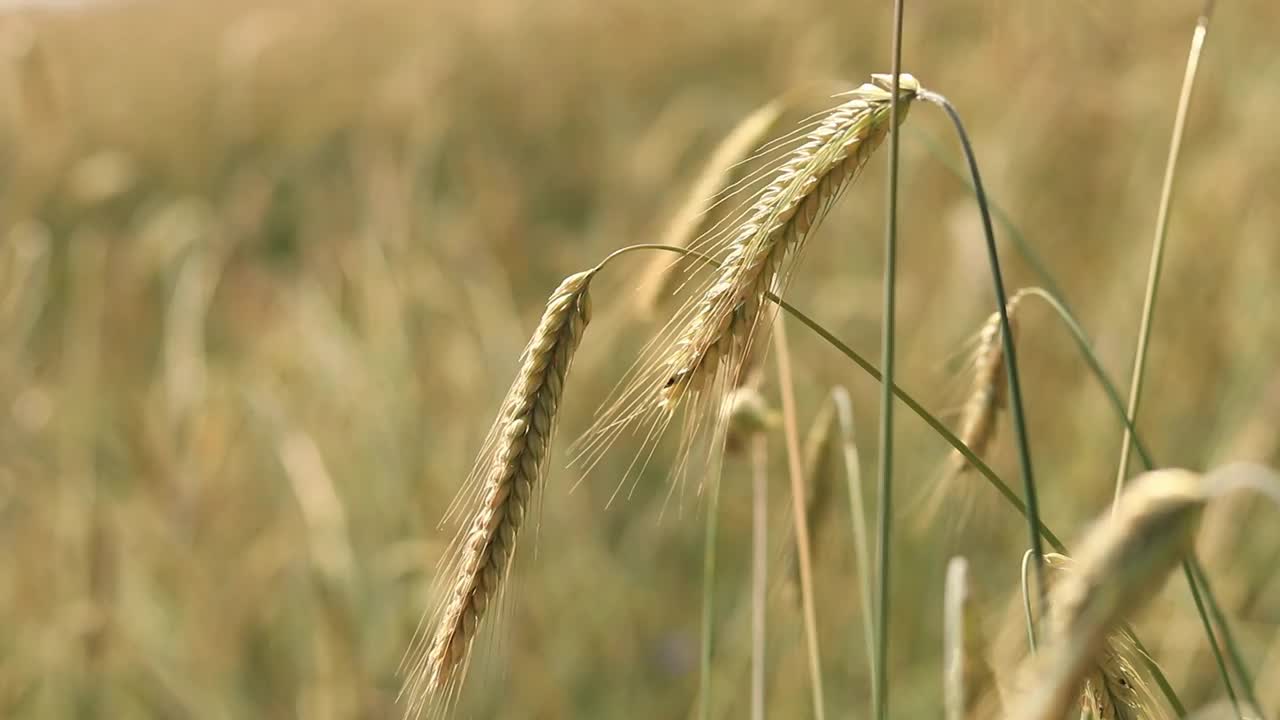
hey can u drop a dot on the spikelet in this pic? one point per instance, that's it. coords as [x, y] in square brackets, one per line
[1120, 565]
[781, 220]
[968, 680]
[508, 470]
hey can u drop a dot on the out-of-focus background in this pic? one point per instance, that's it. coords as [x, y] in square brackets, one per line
[266, 269]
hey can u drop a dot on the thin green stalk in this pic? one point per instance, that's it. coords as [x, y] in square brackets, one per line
[858, 515]
[708, 598]
[1162, 232]
[1006, 334]
[1157, 674]
[884, 505]
[1220, 618]
[1213, 643]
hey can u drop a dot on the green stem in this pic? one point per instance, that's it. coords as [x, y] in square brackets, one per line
[884, 505]
[1220, 618]
[1156, 673]
[1213, 643]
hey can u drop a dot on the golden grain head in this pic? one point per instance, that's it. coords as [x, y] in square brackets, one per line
[509, 469]
[704, 351]
[1122, 562]
[784, 214]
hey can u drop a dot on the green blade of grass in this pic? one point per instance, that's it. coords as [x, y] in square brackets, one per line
[1196, 572]
[1213, 642]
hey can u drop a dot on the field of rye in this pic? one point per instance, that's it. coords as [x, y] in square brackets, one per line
[390, 358]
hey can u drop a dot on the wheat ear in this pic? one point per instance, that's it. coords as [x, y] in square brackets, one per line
[787, 211]
[979, 419]
[510, 469]
[987, 393]
[1121, 563]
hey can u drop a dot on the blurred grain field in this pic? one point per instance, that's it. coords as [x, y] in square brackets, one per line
[266, 269]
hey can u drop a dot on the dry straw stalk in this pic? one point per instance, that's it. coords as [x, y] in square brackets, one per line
[968, 680]
[819, 481]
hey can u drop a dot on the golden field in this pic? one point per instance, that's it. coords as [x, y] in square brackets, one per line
[266, 269]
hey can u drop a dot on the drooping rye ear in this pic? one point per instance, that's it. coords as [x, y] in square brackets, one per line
[1120, 565]
[510, 469]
